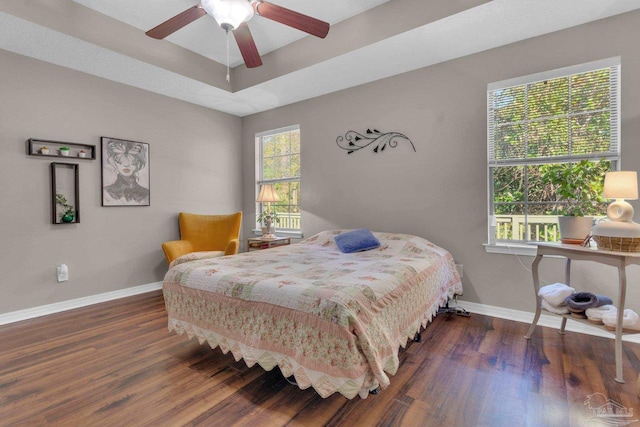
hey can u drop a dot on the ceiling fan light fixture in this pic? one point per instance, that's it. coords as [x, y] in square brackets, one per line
[228, 13]
[232, 16]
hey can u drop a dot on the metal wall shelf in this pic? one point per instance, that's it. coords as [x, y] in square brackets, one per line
[35, 146]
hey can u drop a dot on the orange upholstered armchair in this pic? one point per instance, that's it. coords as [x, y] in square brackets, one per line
[205, 236]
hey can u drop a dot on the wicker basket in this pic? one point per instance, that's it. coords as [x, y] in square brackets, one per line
[618, 244]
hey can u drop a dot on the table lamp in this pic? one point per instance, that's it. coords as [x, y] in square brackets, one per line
[620, 233]
[267, 195]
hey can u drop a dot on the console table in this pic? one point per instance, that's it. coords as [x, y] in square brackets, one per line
[577, 252]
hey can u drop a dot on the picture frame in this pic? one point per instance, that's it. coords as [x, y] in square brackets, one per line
[125, 172]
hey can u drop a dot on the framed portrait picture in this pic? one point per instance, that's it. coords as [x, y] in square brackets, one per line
[125, 172]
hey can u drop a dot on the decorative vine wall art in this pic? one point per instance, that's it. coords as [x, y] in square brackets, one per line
[354, 141]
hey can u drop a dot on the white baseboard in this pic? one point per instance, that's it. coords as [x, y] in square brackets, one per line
[43, 310]
[550, 321]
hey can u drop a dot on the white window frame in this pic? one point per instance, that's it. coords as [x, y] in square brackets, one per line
[259, 180]
[516, 247]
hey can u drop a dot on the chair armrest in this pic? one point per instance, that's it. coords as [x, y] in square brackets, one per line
[175, 249]
[232, 247]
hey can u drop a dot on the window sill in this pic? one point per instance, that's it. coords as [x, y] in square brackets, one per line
[281, 233]
[510, 249]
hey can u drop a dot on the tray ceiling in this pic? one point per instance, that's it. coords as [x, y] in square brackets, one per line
[368, 40]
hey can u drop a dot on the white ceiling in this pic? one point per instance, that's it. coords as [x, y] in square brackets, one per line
[478, 28]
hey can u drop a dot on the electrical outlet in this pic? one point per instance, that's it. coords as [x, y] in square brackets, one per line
[63, 273]
[460, 270]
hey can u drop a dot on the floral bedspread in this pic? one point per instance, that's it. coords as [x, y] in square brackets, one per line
[335, 321]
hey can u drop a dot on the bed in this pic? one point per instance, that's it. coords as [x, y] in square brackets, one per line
[334, 321]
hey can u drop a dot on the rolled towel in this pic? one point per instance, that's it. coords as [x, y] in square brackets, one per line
[630, 321]
[584, 300]
[556, 294]
[554, 309]
[595, 314]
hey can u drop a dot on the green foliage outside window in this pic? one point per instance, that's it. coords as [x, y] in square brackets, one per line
[281, 156]
[551, 189]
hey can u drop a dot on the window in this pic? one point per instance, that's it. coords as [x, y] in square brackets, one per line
[544, 129]
[278, 163]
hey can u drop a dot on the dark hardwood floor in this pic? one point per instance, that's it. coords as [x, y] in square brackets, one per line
[115, 364]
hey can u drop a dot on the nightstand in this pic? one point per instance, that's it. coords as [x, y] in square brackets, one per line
[258, 243]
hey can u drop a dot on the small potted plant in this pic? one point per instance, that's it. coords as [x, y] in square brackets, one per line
[68, 213]
[268, 218]
[64, 151]
[578, 187]
[82, 153]
[44, 150]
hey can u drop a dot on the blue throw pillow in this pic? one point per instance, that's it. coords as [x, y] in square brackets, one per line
[356, 241]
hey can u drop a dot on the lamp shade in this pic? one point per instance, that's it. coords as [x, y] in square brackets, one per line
[228, 12]
[621, 185]
[267, 194]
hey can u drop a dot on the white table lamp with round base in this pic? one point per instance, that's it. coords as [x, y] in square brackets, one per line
[620, 233]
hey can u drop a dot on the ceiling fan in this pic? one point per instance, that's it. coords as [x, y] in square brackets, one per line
[232, 15]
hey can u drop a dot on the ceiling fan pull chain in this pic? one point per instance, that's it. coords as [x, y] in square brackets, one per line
[227, 29]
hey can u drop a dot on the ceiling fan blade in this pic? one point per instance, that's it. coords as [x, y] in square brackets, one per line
[247, 46]
[177, 22]
[293, 19]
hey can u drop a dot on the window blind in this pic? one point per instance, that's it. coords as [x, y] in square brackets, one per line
[569, 114]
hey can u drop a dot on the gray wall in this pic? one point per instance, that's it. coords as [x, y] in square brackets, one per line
[440, 191]
[195, 159]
